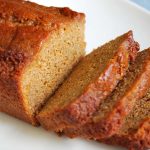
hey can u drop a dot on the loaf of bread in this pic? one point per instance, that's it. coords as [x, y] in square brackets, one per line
[135, 132]
[92, 80]
[114, 109]
[106, 96]
[38, 48]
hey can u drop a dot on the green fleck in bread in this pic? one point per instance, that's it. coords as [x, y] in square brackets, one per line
[91, 81]
[38, 48]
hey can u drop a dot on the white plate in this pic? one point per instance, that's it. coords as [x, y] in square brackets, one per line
[105, 20]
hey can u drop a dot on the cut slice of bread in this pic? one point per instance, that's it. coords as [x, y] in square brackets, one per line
[135, 132]
[113, 110]
[38, 49]
[90, 82]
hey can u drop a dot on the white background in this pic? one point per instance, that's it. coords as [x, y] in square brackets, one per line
[104, 21]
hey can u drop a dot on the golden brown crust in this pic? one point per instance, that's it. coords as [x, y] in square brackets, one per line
[137, 140]
[31, 14]
[23, 30]
[80, 110]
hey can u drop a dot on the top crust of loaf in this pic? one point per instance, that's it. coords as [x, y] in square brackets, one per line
[23, 30]
[31, 14]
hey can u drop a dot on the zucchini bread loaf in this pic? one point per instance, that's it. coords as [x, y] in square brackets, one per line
[92, 80]
[135, 132]
[38, 48]
[114, 109]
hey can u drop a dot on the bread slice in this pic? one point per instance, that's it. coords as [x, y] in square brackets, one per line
[90, 82]
[135, 132]
[38, 48]
[113, 110]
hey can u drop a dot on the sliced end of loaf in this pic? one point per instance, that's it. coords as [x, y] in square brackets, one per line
[62, 50]
[89, 83]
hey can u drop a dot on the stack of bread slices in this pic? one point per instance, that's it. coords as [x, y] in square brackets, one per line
[46, 79]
